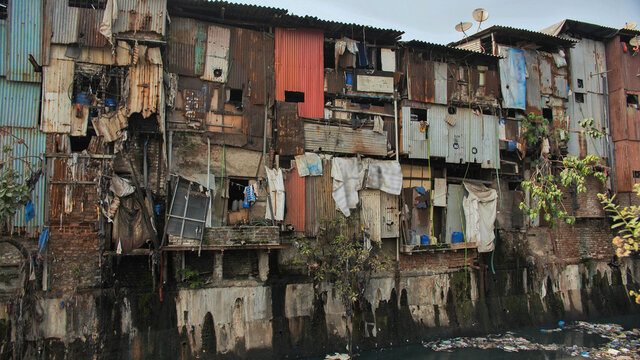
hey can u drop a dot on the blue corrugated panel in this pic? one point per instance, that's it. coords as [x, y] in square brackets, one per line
[31, 151]
[20, 102]
[3, 46]
[24, 35]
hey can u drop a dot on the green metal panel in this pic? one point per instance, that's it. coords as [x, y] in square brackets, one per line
[24, 35]
[201, 48]
[20, 103]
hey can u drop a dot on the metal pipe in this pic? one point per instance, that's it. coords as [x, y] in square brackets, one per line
[395, 123]
[145, 171]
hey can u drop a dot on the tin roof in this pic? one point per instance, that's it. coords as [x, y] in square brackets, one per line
[254, 15]
[575, 28]
[510, 35]
[448, 50]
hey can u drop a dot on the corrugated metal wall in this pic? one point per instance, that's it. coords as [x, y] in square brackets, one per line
[24, 36]
[56, 104]
[294, 190]
[319, 200]
[472, 137]
[186, 46]
[3, 46]
[20, 103]
[36, 143]
[217, 55]
[344, 140]
[299, 63]
[137, 15]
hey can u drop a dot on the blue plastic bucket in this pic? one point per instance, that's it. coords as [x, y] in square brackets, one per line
[513, 146]
[424, 239]
[457, 237]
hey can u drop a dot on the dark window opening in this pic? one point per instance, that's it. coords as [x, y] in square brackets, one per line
[580, 98]
[240, 264]
[235, 97]
[580, 83]
[236, 194]
[418, 114]
[81, 143]
[486, 45]
[88, 4]
[451, 110]
[294, 96]
[202, 263]
[329, 55]
[632, 100]
[4, 7]
[636, 174]
[511, 113]
[514, 186]
[99, 87]
[547, 114]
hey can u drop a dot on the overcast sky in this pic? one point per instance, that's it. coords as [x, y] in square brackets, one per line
[434, 21]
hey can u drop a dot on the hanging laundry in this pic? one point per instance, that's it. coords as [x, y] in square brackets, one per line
[480, 214]
[356, 122]
[378, 124]
[249, 197]
[29, 212]
[346, 174]
[309, 164]
[384, 175]
[276, 193]
[352, 45]
[362, 55]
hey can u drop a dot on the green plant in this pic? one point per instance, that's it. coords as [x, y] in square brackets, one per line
[534, 129]
[192, 277]
[14, 190]
[76, 270]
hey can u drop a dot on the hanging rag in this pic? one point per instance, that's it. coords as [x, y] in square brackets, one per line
[249, 197]
[309, 164]
[480, 215]
[42, 241]
[340, 47]
[352, 45]
[363, 61]
[29, 212]
[109, 17]
[121, 187]
[276, 192]
[421, 201]
[378, 124]
[384, 175]
[346, 174]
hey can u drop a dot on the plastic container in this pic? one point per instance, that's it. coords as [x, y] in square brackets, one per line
[82, 99]
[457, 237]
[513, 146]
[424, 239]
[349, 80]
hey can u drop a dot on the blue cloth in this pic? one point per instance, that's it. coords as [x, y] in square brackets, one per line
[362, 55]
[44, 237]
[249, 197]
[30, 212]
[421, 190]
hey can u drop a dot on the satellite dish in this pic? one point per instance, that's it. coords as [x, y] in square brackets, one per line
[463, 26]
[480, 15]
[630, 25]
[635, 41]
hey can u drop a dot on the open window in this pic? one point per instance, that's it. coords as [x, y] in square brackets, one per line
[547, 113]
[88, 4]
[579, 98]
[418, 114]
[234, 97]
[4, 7]
[294, 96]
[188, 212]
[99, 87]
[632, 100]
[238, 211]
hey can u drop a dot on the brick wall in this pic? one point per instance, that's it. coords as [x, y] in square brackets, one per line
[586, 239]
[437, 260]
[234, 236]
[588, 204]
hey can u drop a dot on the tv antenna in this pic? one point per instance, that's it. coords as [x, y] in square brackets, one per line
[635, 41]
[463, 26]
[480, 15]
[630, 25]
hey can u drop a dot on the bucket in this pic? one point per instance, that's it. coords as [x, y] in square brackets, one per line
[457, 237]
[424, 239]
[513, 146]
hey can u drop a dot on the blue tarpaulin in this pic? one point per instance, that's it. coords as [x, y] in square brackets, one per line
[513, 81]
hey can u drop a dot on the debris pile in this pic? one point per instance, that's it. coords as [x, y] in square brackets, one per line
[622, 344]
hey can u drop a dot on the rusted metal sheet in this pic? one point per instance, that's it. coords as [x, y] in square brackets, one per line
[89, 28]
[56, 104]
[627, 162]
[417, 74]
[294, 190]
[186, 46]
[31, 150]
[335, 139]
[299, 67]
[370, 216]
[20, 103]
[334, 81]
[546, 76]
[145, 83]
[63, 20]
[216, 64]
[319, 203]
[254, 120]
[252, 63]
[622, 66]
[533, 82]
[148, 16]
[291, 137]
[441, 72]
[24, 33]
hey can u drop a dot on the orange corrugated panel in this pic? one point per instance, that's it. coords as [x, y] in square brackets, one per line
[300, 67]
[294, 190]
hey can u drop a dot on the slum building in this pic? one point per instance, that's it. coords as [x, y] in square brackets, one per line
[186, 145]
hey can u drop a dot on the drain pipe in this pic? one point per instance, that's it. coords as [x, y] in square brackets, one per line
[395, 123]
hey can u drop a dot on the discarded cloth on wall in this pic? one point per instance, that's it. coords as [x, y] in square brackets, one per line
[109, 17]
[129, 231]
[309, 164]
[121, 187]
[378, 124]
[276, 193]
[513, 78]
[346, 174]
[480, 214]
[383, 175]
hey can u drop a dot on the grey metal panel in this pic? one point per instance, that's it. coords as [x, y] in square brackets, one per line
[587, 59]
[3, 46]
[34, 146]
[533, 81]
[471, 45]
[24, 35]
[137, 15]
[441, 71]
[490, 142]
[561, 85]
[344, 140]
[415, 148]
[455, 212]
[64, 22]
[20, 102]
[459, 136]
[438, 131]
[546, 77]
[592, 108]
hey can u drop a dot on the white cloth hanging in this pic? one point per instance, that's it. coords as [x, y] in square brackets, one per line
[480, 215]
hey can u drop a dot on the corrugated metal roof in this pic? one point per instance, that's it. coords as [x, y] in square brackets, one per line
[344, 140]
[299, 63]
[34, 146]
[20, 102]
[506, 35]
[447, 50]
[575, 28]
[24, 35]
